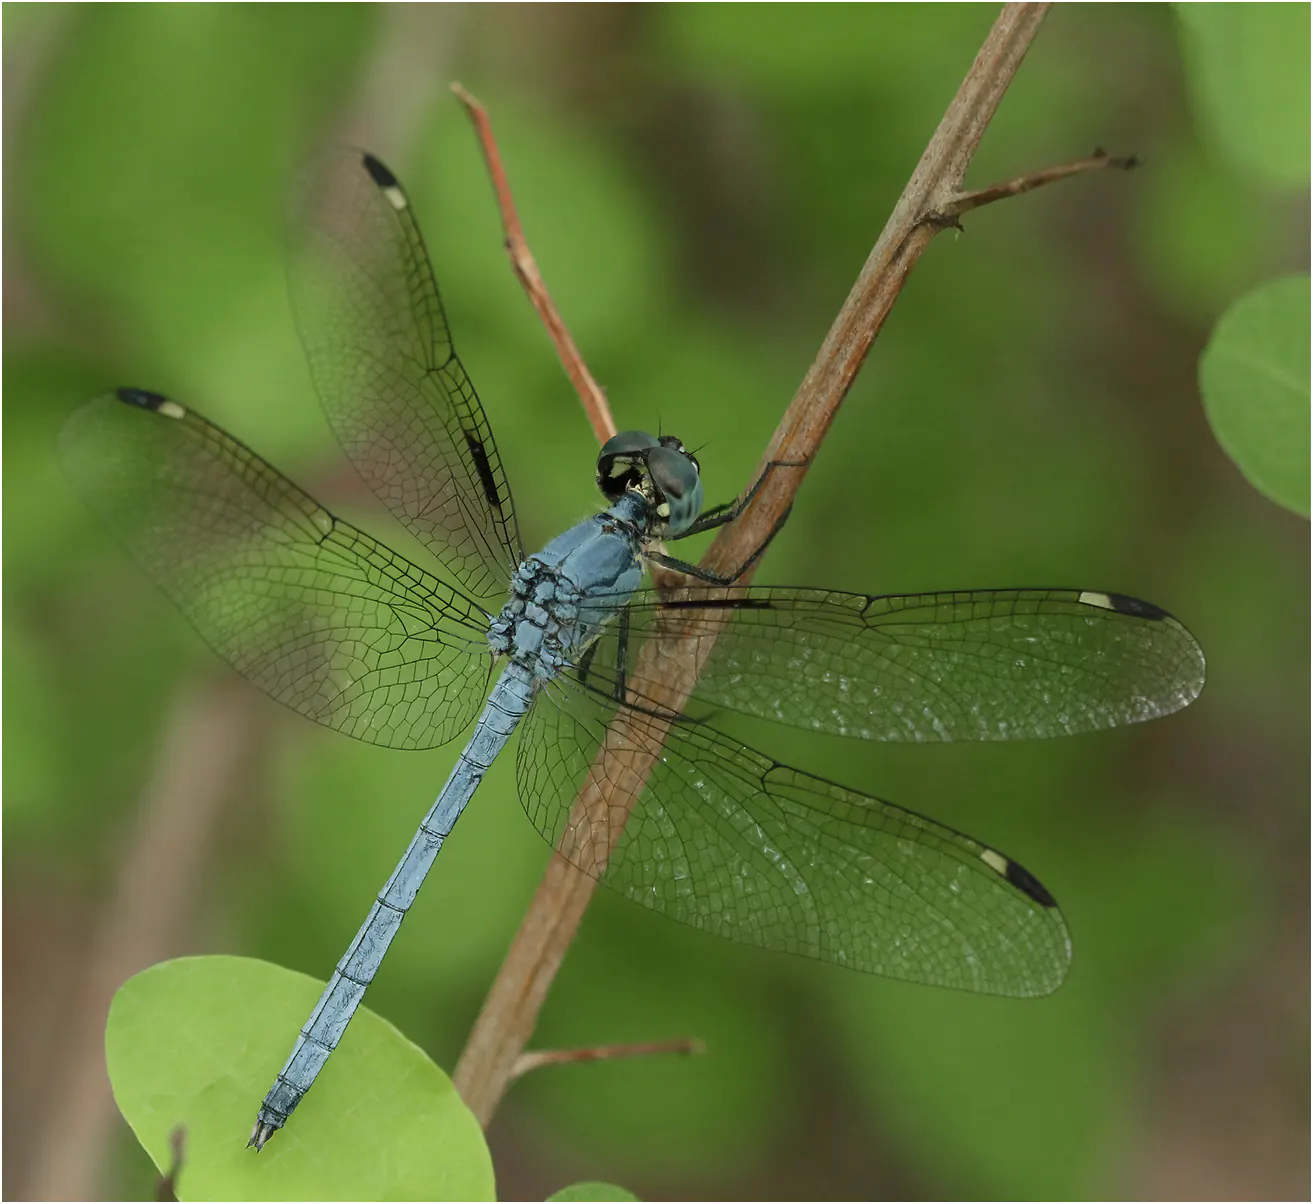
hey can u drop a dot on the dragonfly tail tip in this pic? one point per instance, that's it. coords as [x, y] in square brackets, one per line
[260, 1134]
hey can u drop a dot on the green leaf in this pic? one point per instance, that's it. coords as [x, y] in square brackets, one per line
[1248, 66]
[196, 1042]
[1254, 377]
[592, 1191]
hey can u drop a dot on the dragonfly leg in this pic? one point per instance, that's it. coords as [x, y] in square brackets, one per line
[617, 689]
[727, 512]
[693, 570]
[718, 516]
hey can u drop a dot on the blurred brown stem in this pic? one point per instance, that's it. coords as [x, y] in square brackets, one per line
[167, 1187]
[209, 735]
[932, 198]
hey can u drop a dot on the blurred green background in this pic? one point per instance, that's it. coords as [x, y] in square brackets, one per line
[700, 185]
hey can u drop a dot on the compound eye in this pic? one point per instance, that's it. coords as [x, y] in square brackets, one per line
[679, 486]
[622, 462]
[673, 441]
[627, 441]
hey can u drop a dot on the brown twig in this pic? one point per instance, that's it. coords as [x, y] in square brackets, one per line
[510, 1012]
[526, 268]
[964, 202]
[534, 1059]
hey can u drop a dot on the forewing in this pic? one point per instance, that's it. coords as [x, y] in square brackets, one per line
[726, 840]
[970, 665]
[314, 612]
[381, 357]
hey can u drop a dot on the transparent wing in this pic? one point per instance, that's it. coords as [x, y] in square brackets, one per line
[728, 841]
[997, 664]
[381, 357]
[314, 612]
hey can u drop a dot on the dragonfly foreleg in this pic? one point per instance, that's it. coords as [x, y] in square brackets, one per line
[718, 516]
[693, 570]
[727, 512]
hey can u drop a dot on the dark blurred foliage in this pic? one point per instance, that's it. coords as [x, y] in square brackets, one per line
[700, 185]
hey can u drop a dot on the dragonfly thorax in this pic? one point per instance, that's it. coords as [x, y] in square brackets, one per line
[536, 626]
[659, 469]
[562, 596]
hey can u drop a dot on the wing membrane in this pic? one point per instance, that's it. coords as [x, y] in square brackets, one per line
[970, 665]
[311, 610]
[381, 357]
[728, 841]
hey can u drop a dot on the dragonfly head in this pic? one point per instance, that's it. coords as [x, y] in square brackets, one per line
[661, 470]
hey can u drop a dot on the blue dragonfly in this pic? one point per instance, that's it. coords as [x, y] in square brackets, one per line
[628, 785]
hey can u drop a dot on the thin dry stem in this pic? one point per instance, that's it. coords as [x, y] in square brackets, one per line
[964, 202]
[534, 1059]
[510, 1012]
[526, 269]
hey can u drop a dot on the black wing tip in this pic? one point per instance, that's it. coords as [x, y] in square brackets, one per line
[1028, 884]
[378, 171]
[143, 398]
[1126, 605]
[1019, 876]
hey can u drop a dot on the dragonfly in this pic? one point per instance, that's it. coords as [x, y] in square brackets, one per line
[615, 771]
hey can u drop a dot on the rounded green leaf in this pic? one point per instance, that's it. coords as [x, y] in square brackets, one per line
[1254, 377]
[197, 1042]
[592, 1191]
